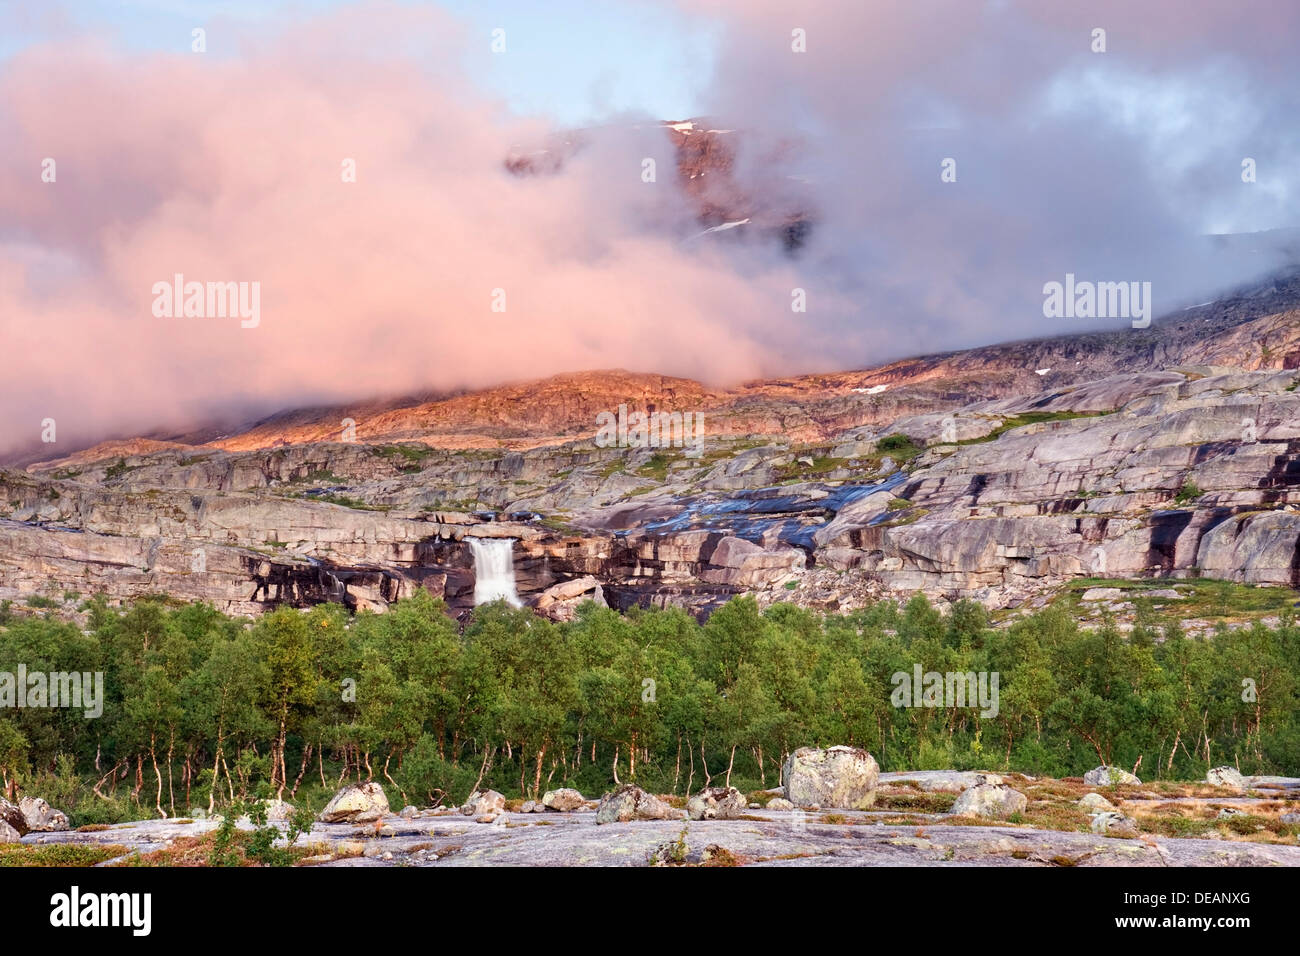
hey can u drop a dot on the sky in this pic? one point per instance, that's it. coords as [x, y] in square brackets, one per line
[574, 60]
[434, 268]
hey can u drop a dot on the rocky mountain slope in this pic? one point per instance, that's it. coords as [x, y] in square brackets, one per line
[1252, 329]
[996, 474]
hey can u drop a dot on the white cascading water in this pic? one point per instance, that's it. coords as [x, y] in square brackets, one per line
[494, 570]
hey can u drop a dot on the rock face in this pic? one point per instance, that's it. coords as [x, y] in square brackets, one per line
[1225, 777]
[1109, 777]
[357, 803]
[632, 803]
[840, 777]
[13, 817]
[41, 817]
[716, 803]
[999, 485]
[563, 800]
[994, 800]
[483, 802]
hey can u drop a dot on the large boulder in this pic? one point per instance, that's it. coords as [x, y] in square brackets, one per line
[13, 817]
[484, 803]
[41, 817]
[839, 777]
[676, 852]
[1095, 802]
[8, 834]
[632, 803]
[1252, 548]
[716, 803]
[357, 803]
[1114, 823]
[560, 601]
[1109, 777]
[742, 563]
[1225, 777]
[994, 800]
[277, 811]
[563, 800]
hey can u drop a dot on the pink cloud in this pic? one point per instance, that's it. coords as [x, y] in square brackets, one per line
[226, 168]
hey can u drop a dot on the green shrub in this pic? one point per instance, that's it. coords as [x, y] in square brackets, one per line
[895, 442]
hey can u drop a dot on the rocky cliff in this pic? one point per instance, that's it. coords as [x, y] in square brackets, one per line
[995, 474]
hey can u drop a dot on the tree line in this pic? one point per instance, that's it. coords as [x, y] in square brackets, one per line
[202, 710]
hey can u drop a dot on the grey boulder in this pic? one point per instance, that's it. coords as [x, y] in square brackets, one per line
[1095, 801]
[357, 803]
[1109, 777]
[994, 800]
[563, 800]
[716, 803]
[630, 802]
[41, 817]
[1114, 823]
[13, 817]
[839, 777]
[1225, 777]
[483, 803]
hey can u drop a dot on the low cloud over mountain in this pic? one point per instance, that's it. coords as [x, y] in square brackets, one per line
[227, 167]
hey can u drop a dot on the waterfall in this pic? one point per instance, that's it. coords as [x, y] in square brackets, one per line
[494, 570]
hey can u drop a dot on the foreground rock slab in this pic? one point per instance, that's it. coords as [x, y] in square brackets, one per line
[764, 837]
